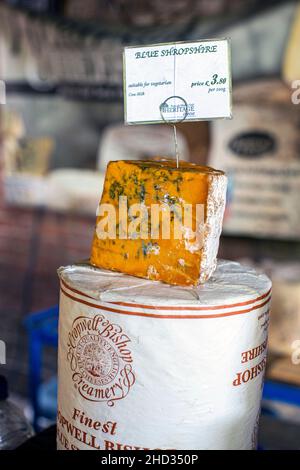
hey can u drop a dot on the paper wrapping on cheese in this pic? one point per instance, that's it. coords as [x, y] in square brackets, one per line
[146, 365]
[180, 260]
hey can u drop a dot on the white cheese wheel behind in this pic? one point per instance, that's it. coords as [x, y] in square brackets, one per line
[146, 365]
[119, 142]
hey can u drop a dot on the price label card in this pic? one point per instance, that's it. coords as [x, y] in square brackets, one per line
[172, 82]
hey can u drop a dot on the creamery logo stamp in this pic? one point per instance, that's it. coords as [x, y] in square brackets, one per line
[100, 359]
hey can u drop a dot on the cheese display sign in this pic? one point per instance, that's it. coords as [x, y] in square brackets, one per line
[143, 365]
[157, 87]
[160, 222]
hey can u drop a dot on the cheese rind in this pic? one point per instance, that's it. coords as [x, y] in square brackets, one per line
[185, 260]
[214, 218]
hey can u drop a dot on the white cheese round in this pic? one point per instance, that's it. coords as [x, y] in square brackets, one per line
[145, 365]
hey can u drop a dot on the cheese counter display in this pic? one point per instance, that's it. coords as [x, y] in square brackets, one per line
[154, 353]
[150, 226]
[186, 255]
[145, 365]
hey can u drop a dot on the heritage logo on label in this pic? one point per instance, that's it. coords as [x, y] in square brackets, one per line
[100, 359]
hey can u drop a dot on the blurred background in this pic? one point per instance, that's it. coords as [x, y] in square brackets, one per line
[61, 121]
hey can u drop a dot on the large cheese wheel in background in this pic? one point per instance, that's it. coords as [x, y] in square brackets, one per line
[145, 365]
[119, 142]
[75, 190]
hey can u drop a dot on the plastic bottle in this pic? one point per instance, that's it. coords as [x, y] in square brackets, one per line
[14, 427]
